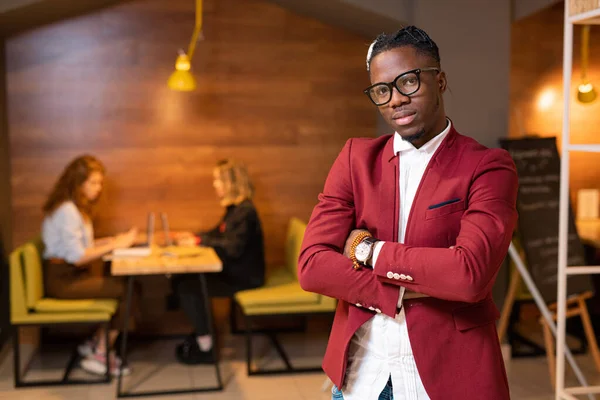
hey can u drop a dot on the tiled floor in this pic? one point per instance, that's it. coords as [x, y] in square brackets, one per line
[155, 368]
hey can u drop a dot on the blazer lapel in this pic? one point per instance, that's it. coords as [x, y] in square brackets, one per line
[387, 228]
[439, 165]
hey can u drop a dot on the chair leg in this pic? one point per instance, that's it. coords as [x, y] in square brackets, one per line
[255, 370]
[72, 360]
[65, 381]
[589, 333]
[16, 357]
[248, 345]
[549, 344]
[106, 337]
[233, 318]
[282, 354]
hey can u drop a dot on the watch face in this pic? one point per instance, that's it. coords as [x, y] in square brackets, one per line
[362, 251]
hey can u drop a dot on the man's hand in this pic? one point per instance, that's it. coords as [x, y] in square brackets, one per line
[350, 239]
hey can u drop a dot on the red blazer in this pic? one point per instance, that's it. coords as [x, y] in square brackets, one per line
[453, 332]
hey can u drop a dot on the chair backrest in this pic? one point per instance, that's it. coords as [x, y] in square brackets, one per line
[293, 245]
[18, 303]
[34, 274]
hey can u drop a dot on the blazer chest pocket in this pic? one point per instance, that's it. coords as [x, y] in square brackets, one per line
[439, 210]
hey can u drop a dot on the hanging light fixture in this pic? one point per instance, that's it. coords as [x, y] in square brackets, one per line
[586, 92]
[182, 79]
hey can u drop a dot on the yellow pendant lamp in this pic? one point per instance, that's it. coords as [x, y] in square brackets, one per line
[182, 79]
[586, 92]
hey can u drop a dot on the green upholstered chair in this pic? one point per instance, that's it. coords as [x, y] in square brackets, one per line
[281, 296]
[29, 307]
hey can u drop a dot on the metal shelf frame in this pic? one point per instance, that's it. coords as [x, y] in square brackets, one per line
[585, 18]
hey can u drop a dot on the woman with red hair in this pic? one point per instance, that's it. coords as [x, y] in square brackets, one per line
[70, 248]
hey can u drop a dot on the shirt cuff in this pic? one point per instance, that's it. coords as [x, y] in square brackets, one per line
[376, 251]
[401, 296]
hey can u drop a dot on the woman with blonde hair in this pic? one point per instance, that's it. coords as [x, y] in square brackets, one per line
[70, 247]
[238, 241]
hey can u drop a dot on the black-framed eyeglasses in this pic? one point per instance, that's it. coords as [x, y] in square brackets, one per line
[407, 83]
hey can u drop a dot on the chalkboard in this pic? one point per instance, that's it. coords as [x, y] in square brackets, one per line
[538, 167]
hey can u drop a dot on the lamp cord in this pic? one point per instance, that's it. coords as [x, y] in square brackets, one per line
[197, 30]
[585, 41]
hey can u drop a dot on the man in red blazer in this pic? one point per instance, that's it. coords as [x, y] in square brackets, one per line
[409, 234]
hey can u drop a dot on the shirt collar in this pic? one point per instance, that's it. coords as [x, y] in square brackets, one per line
[401, 145]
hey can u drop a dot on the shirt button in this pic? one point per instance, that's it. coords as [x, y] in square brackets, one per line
[409, 278]
[378, 311]
[402, 276]
[358, 305]
[372, 308]
[390, 275]
[396, 276]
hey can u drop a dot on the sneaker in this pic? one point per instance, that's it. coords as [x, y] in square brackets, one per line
[86, 348]
[189, 353]
[96, 364]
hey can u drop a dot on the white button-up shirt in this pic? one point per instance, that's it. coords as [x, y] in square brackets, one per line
[381, 349]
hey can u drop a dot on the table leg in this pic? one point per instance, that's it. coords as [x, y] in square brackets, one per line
[125, 329]
[210, 328]
[120, 393]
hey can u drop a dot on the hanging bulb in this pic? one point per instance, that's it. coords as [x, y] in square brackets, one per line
[182, 79]
[585, 92]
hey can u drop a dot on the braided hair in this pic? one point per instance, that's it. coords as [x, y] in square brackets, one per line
[408, 36]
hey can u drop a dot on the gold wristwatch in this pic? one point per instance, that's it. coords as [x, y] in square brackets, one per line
[365, 250]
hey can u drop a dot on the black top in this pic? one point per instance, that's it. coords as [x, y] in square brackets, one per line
[238, 241]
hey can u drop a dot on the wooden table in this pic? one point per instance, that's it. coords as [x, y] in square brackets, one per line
[167, 261]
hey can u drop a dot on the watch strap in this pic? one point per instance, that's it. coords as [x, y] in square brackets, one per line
[371, 241]
[359, 238]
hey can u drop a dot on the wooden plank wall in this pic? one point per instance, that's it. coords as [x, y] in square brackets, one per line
[5, 210]
[5, 207]
[536, 89]
[278, 91]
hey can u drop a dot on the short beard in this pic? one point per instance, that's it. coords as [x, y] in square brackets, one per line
[413, 138]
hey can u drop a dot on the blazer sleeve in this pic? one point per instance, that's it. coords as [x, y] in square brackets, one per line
[468, 271]
[233, 240]
[322, 268]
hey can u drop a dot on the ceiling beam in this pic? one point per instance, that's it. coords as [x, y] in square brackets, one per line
[7, 5]
[23, 15]
[524, 8]
[344, 15]
[17, 16]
